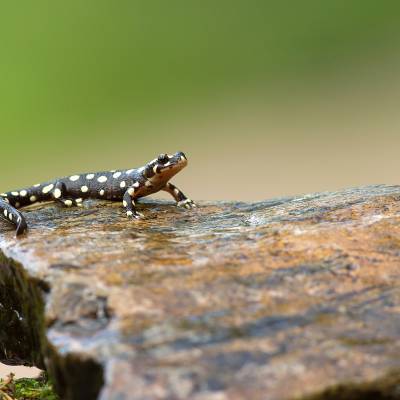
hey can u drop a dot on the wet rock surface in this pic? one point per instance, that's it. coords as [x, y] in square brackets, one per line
[280, 299]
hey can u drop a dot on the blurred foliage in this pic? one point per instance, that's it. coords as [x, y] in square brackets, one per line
[69, 63]
[82, 82]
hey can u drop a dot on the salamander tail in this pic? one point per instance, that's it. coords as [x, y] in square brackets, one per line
[12, 215]
[21, 227]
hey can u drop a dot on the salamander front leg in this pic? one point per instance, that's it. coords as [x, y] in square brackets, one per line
[59, 194]
[181, 199]
[129, 204]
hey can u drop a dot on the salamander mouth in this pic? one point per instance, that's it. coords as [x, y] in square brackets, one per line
[176, 165]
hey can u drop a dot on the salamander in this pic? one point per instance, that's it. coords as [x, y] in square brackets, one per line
[116, 185]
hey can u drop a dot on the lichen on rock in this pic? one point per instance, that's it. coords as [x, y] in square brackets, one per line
[279, 299]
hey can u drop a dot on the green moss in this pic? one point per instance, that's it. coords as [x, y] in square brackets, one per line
[27, 389]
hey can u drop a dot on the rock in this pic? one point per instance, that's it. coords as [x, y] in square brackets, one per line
[280, 299]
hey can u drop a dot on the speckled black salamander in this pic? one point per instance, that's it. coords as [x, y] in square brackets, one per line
[126, 185]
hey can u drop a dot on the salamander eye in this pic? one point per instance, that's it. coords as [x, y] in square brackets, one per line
[163, 158]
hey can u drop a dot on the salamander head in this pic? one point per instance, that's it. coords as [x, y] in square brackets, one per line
[164, 167]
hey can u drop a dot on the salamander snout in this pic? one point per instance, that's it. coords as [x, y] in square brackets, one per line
[174, 159]
[181, 154]
[166, 160]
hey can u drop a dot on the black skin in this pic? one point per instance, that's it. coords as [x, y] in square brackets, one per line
[121, 185]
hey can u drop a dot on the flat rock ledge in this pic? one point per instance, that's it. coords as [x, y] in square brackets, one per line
[288, 298]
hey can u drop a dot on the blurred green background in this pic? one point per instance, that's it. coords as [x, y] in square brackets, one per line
[266, 98]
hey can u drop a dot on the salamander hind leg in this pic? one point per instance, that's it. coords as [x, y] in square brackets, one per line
[181, 199]
[12, 215]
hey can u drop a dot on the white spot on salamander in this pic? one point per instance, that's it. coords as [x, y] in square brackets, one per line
[101, 192]
[131, 191]
[15, 193]
[89, 176]
[68, 203]
[122, 184]
[23, 193]
[117, 175]
[5, 213]
[74, 178]
[124, 203]
[136, 184]
[84, 189]
[33, 199]
[129, 171]
[129, 213]
[57, 193]
[10, 216]
[47, 188]
[37, 185]
[102, 179]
